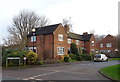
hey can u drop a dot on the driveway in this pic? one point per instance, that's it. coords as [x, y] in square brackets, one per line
[84, 70]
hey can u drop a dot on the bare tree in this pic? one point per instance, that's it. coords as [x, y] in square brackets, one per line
[43, 21]
[67, 22]
[99, 37]
[92, 31]
[23, 24]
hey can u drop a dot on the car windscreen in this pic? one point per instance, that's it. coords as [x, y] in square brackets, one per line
[97, 56]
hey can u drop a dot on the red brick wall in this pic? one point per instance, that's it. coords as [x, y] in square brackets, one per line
[60, 30]
[108, 39]
[48, 46]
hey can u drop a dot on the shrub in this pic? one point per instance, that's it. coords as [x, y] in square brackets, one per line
[78, 58]
[31, 57]
[86, 57]
[66, 59]
[40, 62]
[12, 53]
[74, 49]
[72, 56]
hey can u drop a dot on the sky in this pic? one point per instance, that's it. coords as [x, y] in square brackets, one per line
[86, 15]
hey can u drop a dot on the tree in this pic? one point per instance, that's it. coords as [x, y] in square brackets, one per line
[23, 23]
[67, 22]
[74, 49]
[99, 37]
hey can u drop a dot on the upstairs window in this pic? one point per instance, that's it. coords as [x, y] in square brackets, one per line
[77, 42]
[83, 43]
[33, 38]
[60, 50]
[69, 41]
[101, 45]
[92, 43]
[60, 37]
[108, 45]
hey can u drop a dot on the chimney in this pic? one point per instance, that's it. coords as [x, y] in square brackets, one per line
[85, 33]
[67, 28]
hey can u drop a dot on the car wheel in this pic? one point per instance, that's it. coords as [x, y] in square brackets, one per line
[107, 59]
[102, 60]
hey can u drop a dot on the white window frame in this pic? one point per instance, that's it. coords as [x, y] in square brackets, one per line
[77, 42]
[69, 41]
[101, 45]
[60, 37]
[33, 38]
[82, 43]
[93, 43]
[31, 49]
[108, 45]
[60, 50]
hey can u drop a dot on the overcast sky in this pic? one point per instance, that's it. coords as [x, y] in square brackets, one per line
[86, 15]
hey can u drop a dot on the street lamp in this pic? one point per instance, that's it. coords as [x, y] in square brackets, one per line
[33, 35]
[24, 60]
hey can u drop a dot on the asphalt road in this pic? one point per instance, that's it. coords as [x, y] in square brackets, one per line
[85, 70]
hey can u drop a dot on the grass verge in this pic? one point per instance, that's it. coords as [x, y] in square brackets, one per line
[112, 72]
[112, 59]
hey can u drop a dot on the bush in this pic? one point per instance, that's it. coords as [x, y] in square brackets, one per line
[66, 59]
[86, 57]
[78, 58]
[74, 49]
[12, 53]
[40, 62]
[31, 57]
[72, 56]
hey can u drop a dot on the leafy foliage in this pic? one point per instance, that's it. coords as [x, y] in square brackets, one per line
[74, 49]
[31, 57]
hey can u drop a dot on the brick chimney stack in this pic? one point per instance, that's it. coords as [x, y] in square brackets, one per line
[85, 33]
[67, 29]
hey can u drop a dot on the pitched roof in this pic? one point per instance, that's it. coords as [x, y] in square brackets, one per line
[74, 36]
[85, 37]
[45, 30]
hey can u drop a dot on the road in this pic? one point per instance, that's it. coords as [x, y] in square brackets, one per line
[84, 70]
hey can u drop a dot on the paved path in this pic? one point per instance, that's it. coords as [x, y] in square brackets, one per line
[85, 70]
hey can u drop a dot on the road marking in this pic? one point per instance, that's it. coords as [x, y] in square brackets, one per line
[33, 77]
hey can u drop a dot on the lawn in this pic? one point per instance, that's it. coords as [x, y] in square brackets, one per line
[112, 59]
[112, 72]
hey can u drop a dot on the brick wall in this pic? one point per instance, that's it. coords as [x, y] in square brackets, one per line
[60, 30]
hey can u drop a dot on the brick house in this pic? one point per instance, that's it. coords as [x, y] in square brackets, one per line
[53, 41]
[108, 45]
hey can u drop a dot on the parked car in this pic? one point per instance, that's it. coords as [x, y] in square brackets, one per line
[100, 57]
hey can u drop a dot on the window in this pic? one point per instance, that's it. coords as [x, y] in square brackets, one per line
[60, 50]
[108, 45]
[101, 45]
[109, 51]
[77, 42]
[83, 43]
[92, 43]
[60, 37]
[33, 38]
[69, 41]
[92, 51]
[31, 48]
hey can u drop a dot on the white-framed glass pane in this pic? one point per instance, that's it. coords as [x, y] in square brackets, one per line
[77, 42]
[31, 48]
[60, 37]
[60, 50]
[108, 45]
[83, 43]
[33, 38]
[69, 41]
[101, 45]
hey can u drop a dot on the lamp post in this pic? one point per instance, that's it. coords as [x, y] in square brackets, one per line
[24, 60]
[33, 34]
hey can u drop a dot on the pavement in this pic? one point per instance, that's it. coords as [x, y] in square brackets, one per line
[81, 70]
